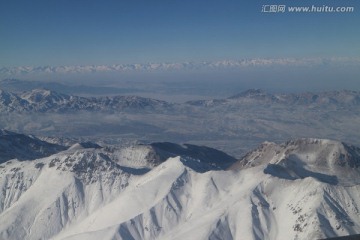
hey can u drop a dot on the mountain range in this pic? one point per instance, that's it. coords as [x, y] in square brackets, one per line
[234, 124]
[44, 100]
[168, 66]
[301, 189]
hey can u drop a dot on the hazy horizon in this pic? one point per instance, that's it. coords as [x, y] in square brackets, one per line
[206, 82]
[231, 45]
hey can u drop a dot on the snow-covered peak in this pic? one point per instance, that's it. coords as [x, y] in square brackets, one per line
[294, 190]
[316, 151]
[327, 160]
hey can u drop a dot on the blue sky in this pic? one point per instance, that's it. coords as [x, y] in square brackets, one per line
[79, 32]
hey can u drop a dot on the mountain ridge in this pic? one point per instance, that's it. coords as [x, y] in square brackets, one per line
[44, 100]
[277, 191]
[341, 98]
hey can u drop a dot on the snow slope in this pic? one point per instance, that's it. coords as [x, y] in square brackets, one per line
[302, 189]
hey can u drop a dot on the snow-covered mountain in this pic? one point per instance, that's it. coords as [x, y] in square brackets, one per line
[44, 100]
[168, 66]
[10, 102]
[256, 96]
[302, 189]
[251, 117]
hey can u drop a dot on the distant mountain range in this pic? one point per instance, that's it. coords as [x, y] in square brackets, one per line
[254, 96]
[302, 189]
[249, 118]
[166, 66]
[43, 100]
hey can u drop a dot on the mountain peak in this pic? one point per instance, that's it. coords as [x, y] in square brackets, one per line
[306, 157]
[292, 193]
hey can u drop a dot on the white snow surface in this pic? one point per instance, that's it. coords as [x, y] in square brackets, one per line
[303, 189]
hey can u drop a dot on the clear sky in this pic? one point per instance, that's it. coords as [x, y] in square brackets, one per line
[79, 32]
